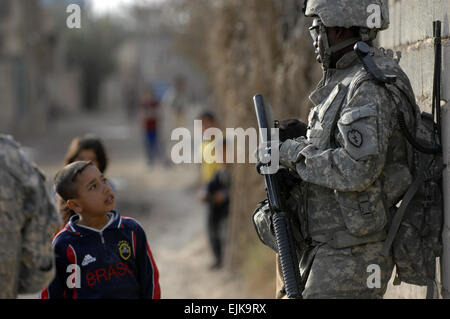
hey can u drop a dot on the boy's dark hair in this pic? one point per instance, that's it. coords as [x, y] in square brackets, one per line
[65, 179]
[85, 143]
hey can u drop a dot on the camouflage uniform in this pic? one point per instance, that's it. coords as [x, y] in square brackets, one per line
[354, 164]
[28, 219]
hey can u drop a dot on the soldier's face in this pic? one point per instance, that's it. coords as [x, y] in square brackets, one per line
[317, 39]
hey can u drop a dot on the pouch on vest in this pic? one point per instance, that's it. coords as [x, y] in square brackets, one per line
[262, 220]
[363, 212]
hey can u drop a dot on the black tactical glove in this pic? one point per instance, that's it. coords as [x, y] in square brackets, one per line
[291, 128]
[288, 129]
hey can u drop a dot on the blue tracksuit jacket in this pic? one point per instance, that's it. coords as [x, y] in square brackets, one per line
[115, 262]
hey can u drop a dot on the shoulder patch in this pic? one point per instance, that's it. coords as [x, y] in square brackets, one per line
[355, 138]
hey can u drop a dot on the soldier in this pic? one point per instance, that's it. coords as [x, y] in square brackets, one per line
[354, 159]
[28, 219]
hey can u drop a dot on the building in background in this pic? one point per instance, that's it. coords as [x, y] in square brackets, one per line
[34, 78]
[148, 58]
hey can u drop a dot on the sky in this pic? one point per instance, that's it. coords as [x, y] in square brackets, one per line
[105, 6]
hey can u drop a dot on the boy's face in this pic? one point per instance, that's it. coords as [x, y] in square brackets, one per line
[95, 195]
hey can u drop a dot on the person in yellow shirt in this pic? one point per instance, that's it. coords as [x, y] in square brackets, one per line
[209, 167]
[210, 192]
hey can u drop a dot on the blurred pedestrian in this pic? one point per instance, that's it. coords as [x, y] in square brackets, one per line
[215, 183]
[173, 105]
[218, 199]
[209, 166]
[149, 108]
[28, 218]
[176, 98]
[83, 148]
[112, 250]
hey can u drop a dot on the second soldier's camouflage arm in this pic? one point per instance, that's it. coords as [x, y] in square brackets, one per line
[37, 268]
[365, 127]
[35, 219]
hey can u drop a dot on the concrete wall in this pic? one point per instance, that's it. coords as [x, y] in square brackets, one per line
[411, 33]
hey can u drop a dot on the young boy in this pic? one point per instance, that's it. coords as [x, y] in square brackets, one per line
[99, 254]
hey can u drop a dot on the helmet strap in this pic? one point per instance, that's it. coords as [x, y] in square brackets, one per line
[344, 44]
[328, 51]
[326, 58]
[368, 34]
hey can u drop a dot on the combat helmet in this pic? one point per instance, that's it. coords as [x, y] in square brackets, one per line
[370, 16]
[350, 13]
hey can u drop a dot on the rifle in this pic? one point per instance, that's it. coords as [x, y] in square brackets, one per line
[288, 257]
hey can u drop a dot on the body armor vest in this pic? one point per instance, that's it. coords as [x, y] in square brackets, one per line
[345, 219]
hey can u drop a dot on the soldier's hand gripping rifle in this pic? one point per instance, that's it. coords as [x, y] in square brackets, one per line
[283, 235]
